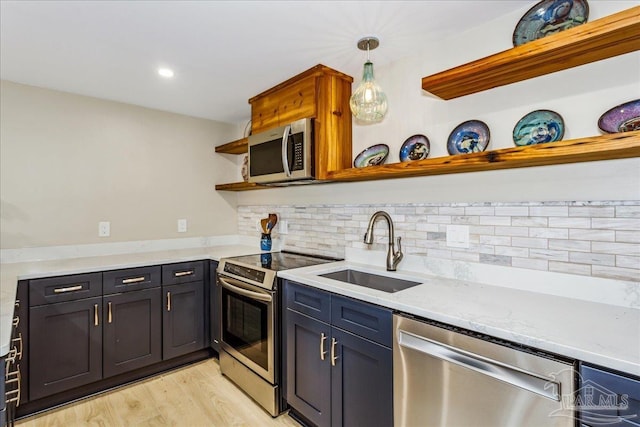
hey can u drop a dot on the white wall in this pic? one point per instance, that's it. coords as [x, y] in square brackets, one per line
[69, 161]
[580, 95]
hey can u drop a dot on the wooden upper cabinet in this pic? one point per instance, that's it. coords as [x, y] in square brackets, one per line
[320, 93]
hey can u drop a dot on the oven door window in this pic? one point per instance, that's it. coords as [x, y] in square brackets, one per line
[245, 327]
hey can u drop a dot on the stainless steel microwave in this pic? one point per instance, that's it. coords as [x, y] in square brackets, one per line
[282, 155]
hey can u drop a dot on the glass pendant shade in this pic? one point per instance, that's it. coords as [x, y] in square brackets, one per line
[368, 103]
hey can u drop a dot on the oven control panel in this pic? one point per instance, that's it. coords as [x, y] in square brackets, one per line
[244, 272]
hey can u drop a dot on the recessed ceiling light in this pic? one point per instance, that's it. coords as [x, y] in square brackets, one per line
[165, 72]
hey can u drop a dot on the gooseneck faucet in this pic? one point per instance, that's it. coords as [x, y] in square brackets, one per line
[393, 257]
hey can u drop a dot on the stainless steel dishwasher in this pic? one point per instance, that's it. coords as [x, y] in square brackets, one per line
[447, 377]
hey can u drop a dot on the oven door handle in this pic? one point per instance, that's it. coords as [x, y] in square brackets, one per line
[245, 292]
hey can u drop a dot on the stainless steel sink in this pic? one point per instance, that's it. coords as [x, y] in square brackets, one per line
[369, 280]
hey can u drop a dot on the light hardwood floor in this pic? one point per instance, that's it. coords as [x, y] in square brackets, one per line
[193, 396]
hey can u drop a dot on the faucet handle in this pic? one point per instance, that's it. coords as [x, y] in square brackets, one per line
[399, 245]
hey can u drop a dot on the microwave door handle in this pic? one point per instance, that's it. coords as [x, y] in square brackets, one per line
[285, 159]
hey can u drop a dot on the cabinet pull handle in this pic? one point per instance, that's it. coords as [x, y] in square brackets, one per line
[67, 289]
[17, 345]
[323, 352]
[183, 273]
[168, 301]
[333, 351]
[109, 316]
[13, 395]
[133, 280]
[95, 315]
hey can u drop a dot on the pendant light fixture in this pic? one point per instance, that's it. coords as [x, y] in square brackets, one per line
[368, 103]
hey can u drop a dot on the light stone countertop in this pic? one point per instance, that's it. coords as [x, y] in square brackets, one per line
[10, 273]
[588, 330]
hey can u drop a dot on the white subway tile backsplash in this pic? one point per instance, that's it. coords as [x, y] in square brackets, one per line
[585, 238]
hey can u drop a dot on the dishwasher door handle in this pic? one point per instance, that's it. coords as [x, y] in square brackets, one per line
[510, 375]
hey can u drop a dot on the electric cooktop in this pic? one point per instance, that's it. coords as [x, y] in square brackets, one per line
[278, 261]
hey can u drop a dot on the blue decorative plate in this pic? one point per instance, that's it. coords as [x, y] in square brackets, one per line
[372, 156]
[468, 137]
[550, 17]
[538, 127]
[623, 118]
[416, 147]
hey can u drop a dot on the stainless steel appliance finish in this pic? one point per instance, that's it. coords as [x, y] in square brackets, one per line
[443, 377]
[283, 154]
[250, 326]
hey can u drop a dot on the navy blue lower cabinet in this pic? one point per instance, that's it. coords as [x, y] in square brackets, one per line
[362, 382]
[337, 376]
[608, 398]
[309, 372]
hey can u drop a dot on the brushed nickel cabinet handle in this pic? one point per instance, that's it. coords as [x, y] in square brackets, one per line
[95, 315]
[323, 352]
[109, 316]
[133, 280]
[168, 301]
[333, 351]
[67, 289]
[183, 273]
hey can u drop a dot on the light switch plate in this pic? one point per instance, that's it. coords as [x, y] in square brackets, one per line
[182, 226]
[458, 236]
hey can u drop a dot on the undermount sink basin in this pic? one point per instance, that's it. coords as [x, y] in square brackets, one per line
[369, 280]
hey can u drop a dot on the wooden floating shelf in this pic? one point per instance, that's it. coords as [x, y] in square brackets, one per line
[239, 146]
[240, 186]
[605, 147]
[604, 38]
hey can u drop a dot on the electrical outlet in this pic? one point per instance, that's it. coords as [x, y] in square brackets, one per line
[104, 229]
[182, 226]
[283, 226]
[458, 236]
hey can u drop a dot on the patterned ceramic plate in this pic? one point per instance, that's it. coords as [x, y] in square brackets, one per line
[416, 147]
[623, 118]
[550, 17]
[538, 127]
[372, 156]
[469, 137]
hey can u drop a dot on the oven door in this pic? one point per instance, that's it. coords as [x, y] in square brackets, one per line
[248, 325]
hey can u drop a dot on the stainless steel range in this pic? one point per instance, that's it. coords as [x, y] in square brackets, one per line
[250, 322]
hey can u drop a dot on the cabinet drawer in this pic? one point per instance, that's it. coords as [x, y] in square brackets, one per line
[182, 272]
[361, 318]
[64, 288]
[131, 279]
[619, 395]
[312, 302]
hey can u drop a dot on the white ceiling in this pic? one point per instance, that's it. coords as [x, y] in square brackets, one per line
[223, 52]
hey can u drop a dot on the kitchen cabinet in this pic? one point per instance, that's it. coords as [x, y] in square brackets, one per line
[609, 398]
[132, 328]
[338, 359]
[320, 93]
[132, 333]
[183, 326]
[65, 333]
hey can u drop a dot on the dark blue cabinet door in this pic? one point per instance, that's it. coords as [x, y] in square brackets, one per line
[362, 382]
[308, 376]
[132, 333]
[183, 319]
[216, 309]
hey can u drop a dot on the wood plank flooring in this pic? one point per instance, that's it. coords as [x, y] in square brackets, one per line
[193, 396]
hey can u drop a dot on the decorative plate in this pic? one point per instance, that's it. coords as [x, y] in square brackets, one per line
[538, 127]
[469, 137]
[372, 156]
[550, 17]
[623, 118]
[416, 147]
